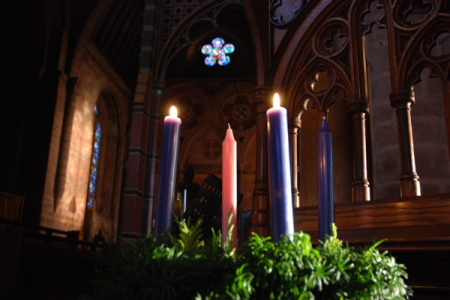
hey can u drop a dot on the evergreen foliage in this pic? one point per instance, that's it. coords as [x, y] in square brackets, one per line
[187, 267]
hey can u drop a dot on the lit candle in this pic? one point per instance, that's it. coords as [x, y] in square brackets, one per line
[167, 172]
[326, 180]
[279, 171]
[229, 186]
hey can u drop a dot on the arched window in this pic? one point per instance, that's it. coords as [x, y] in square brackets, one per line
[94, 159]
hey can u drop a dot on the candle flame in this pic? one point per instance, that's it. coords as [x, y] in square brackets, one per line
[173, 111]
[276, 100]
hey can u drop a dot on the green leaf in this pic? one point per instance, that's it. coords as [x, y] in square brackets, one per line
[188, 266]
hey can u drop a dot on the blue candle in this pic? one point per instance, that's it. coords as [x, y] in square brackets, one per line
[279, 171]
[326, 180]
[167, 172]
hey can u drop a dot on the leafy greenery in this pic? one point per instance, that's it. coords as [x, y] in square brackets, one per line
[187, 267]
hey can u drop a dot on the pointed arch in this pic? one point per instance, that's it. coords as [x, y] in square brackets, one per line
[309, 84]
[419, 55]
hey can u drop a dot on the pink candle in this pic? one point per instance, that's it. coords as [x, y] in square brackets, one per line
[229, 185]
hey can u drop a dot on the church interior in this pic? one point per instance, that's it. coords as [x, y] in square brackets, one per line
[86, 84]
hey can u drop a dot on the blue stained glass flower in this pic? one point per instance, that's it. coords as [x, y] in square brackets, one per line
[217, 52]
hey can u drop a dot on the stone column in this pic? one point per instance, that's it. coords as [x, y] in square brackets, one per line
[409, 180]
[360, 183]
[133, 205]
[149, 185]
[294, 150]
[259, 217]
[64, 146]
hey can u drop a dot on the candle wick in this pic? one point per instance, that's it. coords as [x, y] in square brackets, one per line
[324, 118]
[229, 127]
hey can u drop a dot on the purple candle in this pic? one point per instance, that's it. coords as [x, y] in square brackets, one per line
[326, 180]
[167, 172]
[279, 171]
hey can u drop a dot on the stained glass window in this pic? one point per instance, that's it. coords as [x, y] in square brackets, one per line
[217, 52]
[94, 160]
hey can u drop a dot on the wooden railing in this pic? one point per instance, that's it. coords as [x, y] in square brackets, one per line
[417, 230]
[51, 264]
[404, 220]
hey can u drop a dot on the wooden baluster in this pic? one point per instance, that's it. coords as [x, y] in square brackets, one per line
[294, 131]
[409, 180]
[360, 183]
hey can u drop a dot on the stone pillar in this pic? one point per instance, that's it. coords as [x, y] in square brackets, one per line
[64, 145]
[132, 205]
[259, 217]
[294, 150]
[409, 180]
[149, 188]
[360, 183]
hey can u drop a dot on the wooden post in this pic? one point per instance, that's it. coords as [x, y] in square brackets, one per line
[360, 183]
[294, 131]
[409, 180]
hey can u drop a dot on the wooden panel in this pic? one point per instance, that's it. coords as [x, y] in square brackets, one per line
[11, 206]
[413, 219]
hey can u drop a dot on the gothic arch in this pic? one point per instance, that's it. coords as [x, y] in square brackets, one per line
[296, 49]
[358, 29]
[322, 56]
[419, 54]
[321, 81]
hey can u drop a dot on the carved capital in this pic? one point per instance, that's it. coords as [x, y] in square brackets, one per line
[294, 122]
[402, 99]
[358, 107]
